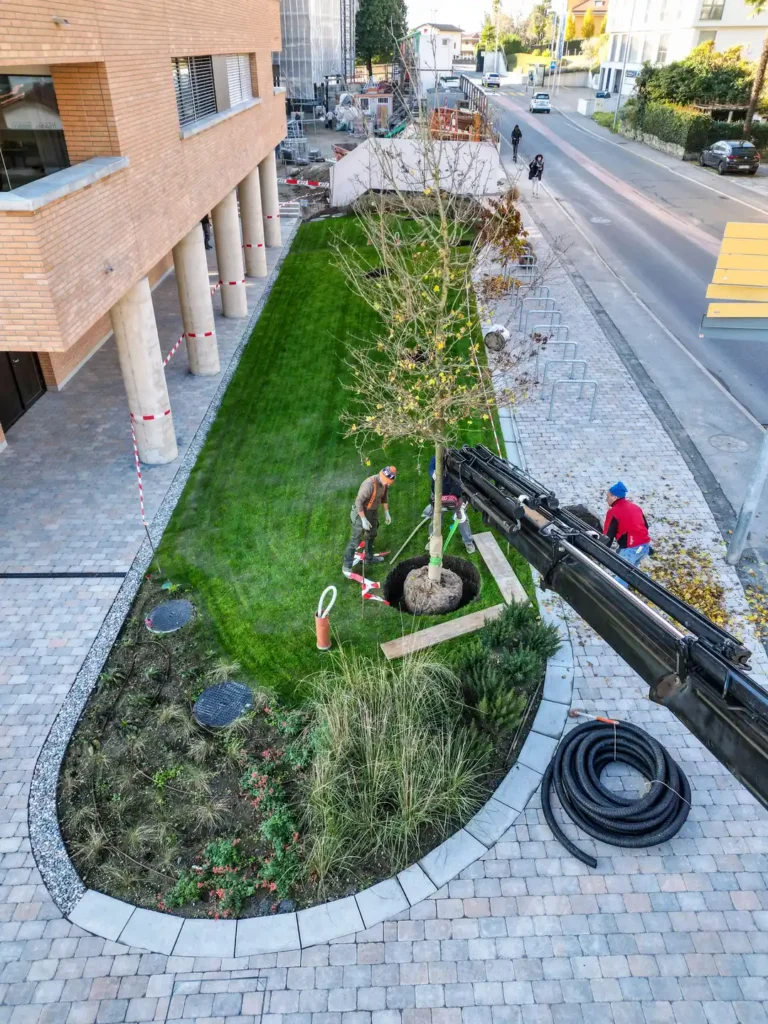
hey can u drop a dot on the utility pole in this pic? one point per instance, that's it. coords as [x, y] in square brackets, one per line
[748, 506]
[624, 68]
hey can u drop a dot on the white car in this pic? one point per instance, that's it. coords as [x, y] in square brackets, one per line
[540, 103]
[492, 80]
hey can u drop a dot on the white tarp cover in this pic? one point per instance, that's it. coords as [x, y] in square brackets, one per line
[467, 168]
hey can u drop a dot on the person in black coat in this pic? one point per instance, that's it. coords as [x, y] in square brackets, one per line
[535, 172]
[516, 136]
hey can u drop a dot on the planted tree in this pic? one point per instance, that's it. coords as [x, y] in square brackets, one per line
[423, 377]
[588, 24]
[570, 30]
[758, 7]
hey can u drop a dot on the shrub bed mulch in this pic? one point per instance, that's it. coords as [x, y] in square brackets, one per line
[288, 806]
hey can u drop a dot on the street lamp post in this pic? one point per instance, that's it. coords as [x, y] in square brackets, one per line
[624, 68]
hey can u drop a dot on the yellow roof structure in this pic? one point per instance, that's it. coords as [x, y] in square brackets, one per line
[741, 275]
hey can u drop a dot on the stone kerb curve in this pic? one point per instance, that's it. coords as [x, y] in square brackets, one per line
[163, 933]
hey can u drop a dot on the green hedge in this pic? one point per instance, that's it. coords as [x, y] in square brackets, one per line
[682, 126]
[688, 127]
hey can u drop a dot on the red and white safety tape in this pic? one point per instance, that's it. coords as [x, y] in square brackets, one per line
[303, 181]
[138, 473]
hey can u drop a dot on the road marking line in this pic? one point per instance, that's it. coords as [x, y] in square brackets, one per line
[673, 337]
[658, 163]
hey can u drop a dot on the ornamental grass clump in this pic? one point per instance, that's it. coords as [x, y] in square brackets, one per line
[397, 766]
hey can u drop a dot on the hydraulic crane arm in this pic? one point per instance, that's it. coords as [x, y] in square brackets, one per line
[697, 671]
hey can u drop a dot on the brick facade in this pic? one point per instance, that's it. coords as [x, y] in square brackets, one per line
[63, 266]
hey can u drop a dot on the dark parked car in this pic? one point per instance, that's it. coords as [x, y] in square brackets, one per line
[602, 94]
[731, 156]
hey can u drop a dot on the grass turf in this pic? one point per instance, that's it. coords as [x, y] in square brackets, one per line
[262, 524]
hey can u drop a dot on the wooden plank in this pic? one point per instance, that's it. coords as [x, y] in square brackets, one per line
[743, 292]
[745, 246]
[425, 638]
[756, 310]
[731, 261]
[740, 229]
[510, 586]
[757, 278]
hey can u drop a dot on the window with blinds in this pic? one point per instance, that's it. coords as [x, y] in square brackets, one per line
[239, 78]
[195, 90]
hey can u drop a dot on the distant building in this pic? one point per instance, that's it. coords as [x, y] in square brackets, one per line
[429, 53]
[469, 44]
[578, 8]
[312, 45]
[663, 31]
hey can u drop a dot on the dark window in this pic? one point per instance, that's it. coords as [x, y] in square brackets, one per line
[195, 91]
[743, 150]
[31, 137]
[712, 11]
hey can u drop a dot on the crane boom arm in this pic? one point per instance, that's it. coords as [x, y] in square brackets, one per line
[694, 668]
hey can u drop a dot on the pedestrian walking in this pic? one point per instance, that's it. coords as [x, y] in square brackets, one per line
[451, 500]
[535, 172]
[206, 222]
[626, 524]
[516, 136]
[372, 495]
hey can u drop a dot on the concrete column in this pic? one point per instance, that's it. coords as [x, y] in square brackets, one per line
[269, 200]
[249, 192]
[196, 305]
[229, 256]
[3, 442]
[141, 361]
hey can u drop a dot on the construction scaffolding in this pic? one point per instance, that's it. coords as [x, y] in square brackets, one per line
[312, 45]
[348, 13]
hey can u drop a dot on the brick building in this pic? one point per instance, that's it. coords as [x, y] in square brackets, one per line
[122, 124]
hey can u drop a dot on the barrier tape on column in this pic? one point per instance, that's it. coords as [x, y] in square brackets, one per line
[231, 282]
[138, 473]
[303, 181]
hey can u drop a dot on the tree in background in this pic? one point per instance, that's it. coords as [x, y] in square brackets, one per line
[378, 26]
[704, 76]
[539, 22]
[758, 7]
[570, 30]
[588, 25]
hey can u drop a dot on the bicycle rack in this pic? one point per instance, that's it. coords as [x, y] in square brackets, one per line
[565, 344]
[573, 363]
[582, 384]
[542, 312]
[548, 304]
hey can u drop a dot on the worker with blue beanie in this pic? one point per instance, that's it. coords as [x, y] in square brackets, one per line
[626, 524]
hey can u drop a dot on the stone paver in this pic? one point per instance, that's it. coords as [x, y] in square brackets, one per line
[677, 934]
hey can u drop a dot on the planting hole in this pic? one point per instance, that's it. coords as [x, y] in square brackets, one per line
[464, 569]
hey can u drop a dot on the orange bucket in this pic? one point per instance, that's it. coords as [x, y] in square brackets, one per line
[323, 621]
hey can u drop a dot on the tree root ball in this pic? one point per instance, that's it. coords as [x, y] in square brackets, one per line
[423, 597]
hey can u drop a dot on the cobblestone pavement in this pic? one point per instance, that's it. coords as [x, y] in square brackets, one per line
[527, 935]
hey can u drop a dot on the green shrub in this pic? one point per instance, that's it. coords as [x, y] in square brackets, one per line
[604, 118]
[682, 126]
[503, 665]
[395, 764]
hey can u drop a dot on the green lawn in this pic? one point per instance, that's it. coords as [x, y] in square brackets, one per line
[263, 521]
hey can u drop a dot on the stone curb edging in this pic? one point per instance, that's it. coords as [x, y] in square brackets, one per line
[162, 933]
[48, 847]
[137, 927]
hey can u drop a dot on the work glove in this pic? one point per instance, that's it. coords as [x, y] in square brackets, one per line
[387, 518]
[366, 523]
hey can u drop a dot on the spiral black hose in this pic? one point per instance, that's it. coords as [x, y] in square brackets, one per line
[618, 820]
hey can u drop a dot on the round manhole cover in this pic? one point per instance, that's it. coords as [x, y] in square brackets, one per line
[169, 616]
[220, 705]
[727, 443]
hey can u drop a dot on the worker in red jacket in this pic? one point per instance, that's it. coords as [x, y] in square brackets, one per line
[626, 524]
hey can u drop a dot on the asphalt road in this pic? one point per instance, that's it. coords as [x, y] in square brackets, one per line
[658, 231]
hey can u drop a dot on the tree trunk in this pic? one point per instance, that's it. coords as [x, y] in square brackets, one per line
[436, 542]
[757, 88]
[369, 63]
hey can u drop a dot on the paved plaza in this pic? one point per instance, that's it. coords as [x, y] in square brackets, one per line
[677, 934]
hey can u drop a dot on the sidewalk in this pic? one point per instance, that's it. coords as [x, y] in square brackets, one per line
[527, 935]
[566, 102]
